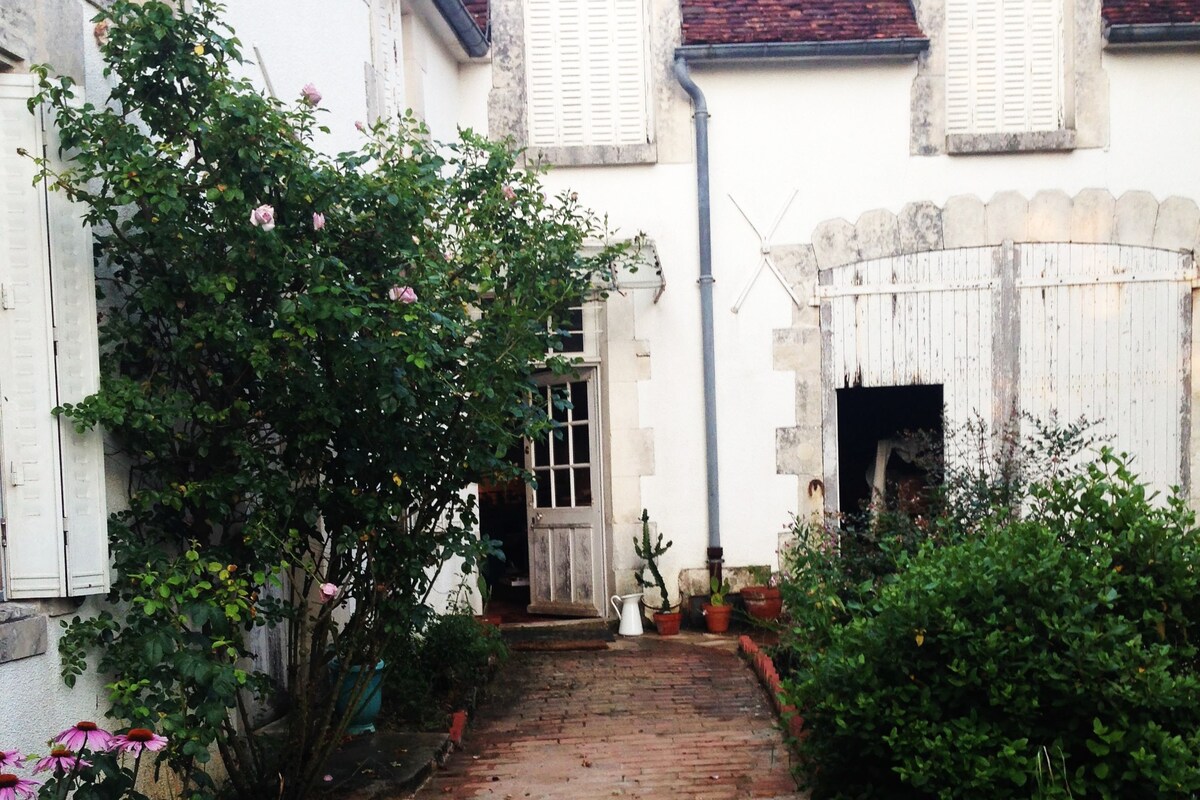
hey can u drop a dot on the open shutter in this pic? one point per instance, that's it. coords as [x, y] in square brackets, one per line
[78, 375]
[34, 561]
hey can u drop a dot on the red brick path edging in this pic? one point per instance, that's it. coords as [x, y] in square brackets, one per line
[764, 667]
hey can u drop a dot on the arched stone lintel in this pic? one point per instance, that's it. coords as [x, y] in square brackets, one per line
[1092, 216]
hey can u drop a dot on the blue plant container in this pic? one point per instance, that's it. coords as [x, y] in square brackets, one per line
[363, 720]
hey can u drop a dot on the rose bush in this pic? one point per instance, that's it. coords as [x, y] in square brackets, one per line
[305, 360]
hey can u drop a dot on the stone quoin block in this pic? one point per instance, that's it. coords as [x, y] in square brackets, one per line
[1092, 216]
[1007, 218]
[878, 234]
[1049, 217]
[1133, 222]
[920, 227]
[964, 222]
[1177, 224]
[835, 244]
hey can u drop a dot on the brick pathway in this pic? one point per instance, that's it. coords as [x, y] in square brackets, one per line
[648, 718]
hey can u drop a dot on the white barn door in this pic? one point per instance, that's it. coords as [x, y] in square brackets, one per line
[1106, 335]
[1054, 330]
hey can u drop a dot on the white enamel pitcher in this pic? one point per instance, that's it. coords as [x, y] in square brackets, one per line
[628, 612]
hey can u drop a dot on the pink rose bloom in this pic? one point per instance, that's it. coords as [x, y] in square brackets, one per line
[318, 220]
[310, 94]
[13, 787]
[328, 592]
[508, 193]
[10, 758]
[62, 761]
[136, 740]
[362, 128]
[83, 735]
[101, 32]
[263, 217]
[402, 294]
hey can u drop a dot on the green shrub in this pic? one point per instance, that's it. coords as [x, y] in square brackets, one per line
[443, 670]
[1047, 656]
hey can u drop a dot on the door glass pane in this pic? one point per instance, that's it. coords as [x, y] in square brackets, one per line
[558, 409]
[582, 454]
[542, 493]
[541, 453]
[583, 487]
[562, 488]
[579, 400]
[561, 445]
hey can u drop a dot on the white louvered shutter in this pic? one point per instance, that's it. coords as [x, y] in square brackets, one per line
[586, 79]
[52, 487]
[34, 559]
[388, 62]
[1004, 66]
[85, 516]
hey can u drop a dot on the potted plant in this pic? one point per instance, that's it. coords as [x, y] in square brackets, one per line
[763, 601]
[717, 609]
[666, 620]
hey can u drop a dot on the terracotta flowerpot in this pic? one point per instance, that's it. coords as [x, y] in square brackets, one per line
[667, 624]
[717, 617]
[763, 602]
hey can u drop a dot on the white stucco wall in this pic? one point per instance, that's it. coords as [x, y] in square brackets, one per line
[838, 133]
[323, 42]
[35, 704]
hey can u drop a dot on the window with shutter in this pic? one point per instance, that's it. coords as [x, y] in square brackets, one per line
[1004, 66]
[586, 73]
[54, 538]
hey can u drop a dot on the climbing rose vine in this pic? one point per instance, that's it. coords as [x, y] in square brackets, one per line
[305, 360]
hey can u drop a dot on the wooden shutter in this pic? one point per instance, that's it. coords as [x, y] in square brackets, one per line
[56, 537]
[85, 515]
[586, 72]
[34, 557]
[1004, 66]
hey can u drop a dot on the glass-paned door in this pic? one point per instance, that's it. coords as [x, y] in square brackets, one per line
[565, 524]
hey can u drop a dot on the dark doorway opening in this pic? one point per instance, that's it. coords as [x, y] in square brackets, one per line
[889, 446]
[502, 518]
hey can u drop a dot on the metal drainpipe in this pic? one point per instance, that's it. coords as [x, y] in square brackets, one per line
[704, 214]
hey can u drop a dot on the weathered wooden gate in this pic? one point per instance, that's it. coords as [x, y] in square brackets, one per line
[1101, 331]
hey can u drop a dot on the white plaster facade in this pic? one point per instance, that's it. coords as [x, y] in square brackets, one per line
[838, 132]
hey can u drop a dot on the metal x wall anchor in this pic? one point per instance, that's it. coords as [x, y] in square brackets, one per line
[764, 248]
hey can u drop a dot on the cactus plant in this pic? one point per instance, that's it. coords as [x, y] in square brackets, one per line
[650, 554]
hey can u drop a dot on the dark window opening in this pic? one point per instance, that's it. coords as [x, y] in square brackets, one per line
[889, 447]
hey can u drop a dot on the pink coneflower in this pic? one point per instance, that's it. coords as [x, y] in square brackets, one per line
[61, 760]
[13, 787]
[136, 740]
[83, 735]
[10, 758]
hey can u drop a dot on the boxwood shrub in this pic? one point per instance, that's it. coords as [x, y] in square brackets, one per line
[1047, 654]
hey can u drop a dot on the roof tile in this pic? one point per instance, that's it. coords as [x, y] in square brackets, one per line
[763, 21]
[479, 11]
[1151, 12]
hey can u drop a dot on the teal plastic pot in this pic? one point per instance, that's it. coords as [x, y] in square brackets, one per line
[367, 710]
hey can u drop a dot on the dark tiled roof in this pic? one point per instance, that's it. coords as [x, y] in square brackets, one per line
[479, 11]
[1151, 12]
[762, 21]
